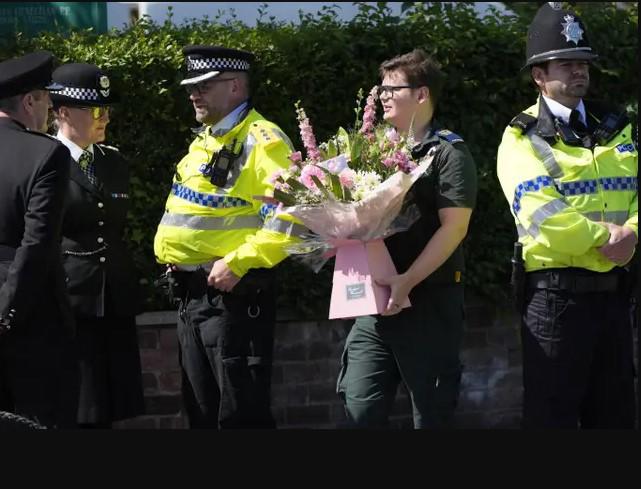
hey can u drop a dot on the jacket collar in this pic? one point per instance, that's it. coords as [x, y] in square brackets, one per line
[429, 139]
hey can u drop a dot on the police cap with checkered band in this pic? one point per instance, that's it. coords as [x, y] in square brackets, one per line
[205, 62]
[26, 73]
[84, 85]
[556, 33]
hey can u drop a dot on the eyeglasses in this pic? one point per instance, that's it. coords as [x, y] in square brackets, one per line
[97, 112]
[205, 86]
[392, 89]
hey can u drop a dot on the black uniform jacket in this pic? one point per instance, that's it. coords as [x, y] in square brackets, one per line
[98, 264]
[34, 175]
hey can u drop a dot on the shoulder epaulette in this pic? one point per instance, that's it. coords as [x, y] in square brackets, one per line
[449, 136]
[39, 133]
[266, 133]
[523, 121]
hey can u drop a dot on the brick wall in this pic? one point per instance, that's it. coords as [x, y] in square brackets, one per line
[306, 365]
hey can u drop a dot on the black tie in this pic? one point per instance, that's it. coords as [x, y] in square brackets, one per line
[576, 124]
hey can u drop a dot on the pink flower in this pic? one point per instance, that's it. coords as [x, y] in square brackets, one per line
[306, 176]
[307, 135]
[275, 176]
[389, 162]
[296, 157]
[347, 177]
[369, 114]
[392, 135]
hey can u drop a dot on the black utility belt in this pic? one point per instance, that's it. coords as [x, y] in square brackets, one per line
[574, 281]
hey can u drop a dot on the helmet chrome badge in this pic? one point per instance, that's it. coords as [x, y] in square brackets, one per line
[571, 30]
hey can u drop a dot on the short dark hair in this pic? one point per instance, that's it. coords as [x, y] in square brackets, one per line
[10, 104]
[420, 70]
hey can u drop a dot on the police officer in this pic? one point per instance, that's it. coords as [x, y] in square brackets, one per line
[568, 169]
[38, 371]
[220, 247]
[101, 275]
[418, 345]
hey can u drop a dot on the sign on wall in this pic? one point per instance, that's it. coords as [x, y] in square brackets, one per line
[31, 18]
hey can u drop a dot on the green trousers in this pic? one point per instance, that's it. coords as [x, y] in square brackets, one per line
[420, 347]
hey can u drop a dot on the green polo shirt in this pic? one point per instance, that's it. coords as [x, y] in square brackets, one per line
[450, 181]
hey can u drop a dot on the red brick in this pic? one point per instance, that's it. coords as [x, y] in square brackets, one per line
[154, 360]
[149, 382]
[170, 381]
[163, 404]
[172, 423]
[289, 395]
[147, 340]
[169, 341]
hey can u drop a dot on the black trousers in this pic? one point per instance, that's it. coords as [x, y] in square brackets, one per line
[578, 369]
[39, 370]
[226, 343]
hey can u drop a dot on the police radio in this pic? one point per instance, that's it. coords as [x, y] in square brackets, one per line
[222, 162]
[610, 125]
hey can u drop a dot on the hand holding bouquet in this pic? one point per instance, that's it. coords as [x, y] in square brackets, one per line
[349, 192]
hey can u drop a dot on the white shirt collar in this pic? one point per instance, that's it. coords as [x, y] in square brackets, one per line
[228, 122]
[562, 112]
[74, 149]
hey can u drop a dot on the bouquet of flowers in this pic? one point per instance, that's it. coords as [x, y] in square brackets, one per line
[349, 193]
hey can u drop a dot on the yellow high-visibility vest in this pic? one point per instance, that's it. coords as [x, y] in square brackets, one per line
[202, 221]
[558, 192]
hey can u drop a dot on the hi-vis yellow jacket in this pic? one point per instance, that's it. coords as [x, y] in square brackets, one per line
[557, 191]
[203, 222]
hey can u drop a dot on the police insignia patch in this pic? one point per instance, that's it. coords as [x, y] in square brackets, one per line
[571, 30]
[104, 84]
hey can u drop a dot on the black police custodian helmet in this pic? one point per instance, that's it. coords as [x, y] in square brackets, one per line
[556, 33]
[205, 62]
[83, 85]
[29, 72]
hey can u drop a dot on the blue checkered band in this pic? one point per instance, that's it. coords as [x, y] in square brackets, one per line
[530, 186]
[619, 183]
[579, 187]
[265, 210]
[207, 200]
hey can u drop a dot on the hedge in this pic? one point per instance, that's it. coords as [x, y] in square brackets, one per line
[323, 61]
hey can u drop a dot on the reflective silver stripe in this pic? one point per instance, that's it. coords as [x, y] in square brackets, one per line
[210, 223]
[615, 217]
[545, 153]
[542, 213]
[521, 231]
[284, 137]
[285, 227]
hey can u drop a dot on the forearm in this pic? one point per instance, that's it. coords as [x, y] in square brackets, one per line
[438, 249]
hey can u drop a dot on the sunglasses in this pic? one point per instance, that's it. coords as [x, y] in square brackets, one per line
[98, 112]
[205, 86]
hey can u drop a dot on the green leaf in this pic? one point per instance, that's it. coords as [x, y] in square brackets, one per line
[343, 134]
[335, 183]
[284, 197]
[296, 185]
[321, 187]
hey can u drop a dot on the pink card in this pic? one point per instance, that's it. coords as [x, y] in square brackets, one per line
[354, 291]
